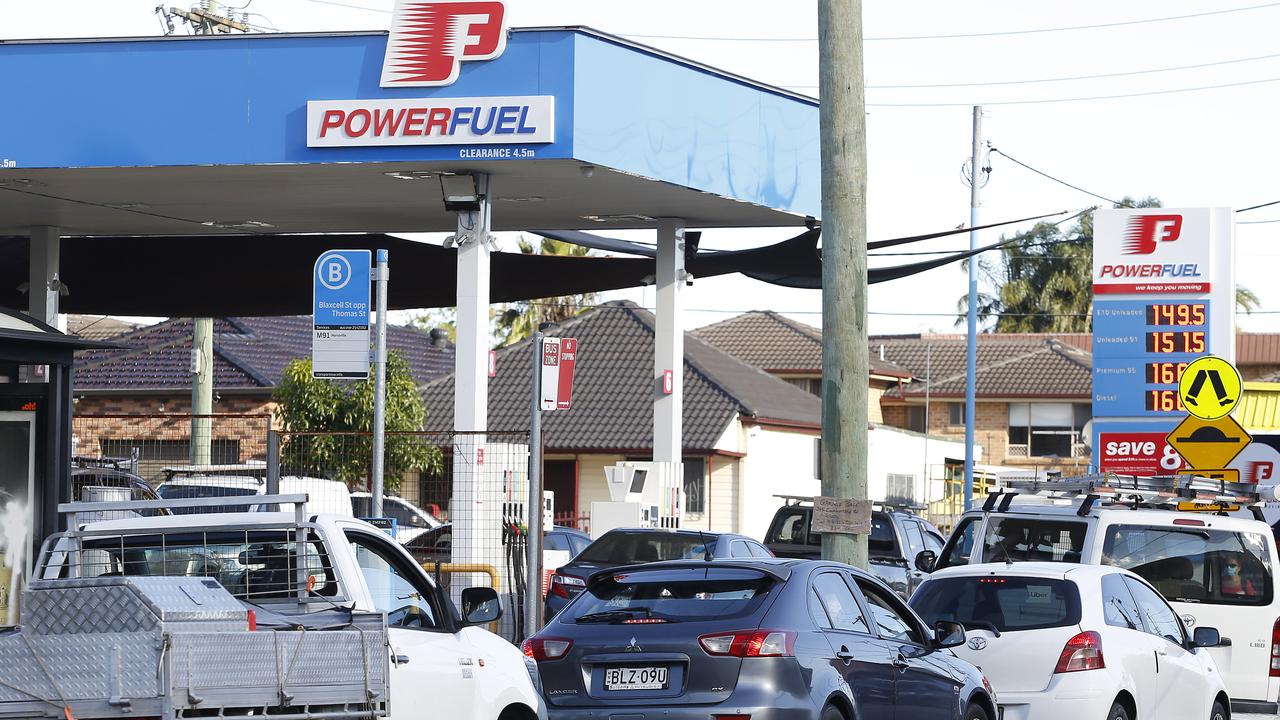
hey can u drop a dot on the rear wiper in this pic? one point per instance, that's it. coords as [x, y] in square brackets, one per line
[981, 625]
[609, 616]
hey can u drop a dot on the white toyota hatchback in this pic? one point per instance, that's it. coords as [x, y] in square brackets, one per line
[1070, 642]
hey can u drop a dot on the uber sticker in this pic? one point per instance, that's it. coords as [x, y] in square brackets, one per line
[1039, 594]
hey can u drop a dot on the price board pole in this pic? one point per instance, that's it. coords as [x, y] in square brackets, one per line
[380, 383]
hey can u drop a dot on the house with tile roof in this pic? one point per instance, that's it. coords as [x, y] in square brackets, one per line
[748, 435]
[151, 375]
[1034, 395]
[792, 350]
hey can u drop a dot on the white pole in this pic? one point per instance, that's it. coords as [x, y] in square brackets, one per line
[971, 360]
[380, 383]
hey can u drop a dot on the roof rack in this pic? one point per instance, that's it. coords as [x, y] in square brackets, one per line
[1183, 492]
[126, 464]
[896, 505]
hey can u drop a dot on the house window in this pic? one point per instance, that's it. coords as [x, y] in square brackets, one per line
[915, 418]
[955, 413]
[900, 489]
[695, 485]
[809, 385]
[1047, 429]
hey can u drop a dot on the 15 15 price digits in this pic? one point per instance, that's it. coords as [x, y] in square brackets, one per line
[1176, 341]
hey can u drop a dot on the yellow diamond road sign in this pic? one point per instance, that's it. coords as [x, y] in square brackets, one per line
[1210, 388]
[1209, 443]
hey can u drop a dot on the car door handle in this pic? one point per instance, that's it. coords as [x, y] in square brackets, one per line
[901, 663]
[844, 654]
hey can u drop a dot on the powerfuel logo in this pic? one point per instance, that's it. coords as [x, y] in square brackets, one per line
[429, 41]
[1145, 232]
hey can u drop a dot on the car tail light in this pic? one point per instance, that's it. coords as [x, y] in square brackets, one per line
[750, 643]
[546, 648]
[730, 717]
[1275, 649]
[566, 586]
[252, 617]
[1082, 652]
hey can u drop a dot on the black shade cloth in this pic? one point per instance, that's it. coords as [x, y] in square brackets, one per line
[253, 275]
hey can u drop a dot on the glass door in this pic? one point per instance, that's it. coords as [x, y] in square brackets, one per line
[17, 511]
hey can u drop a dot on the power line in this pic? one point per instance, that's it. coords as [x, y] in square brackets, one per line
[998, 33]
[1047, 101]
[886, 313]
[350, 6]
[1255, 207]
[925, 86]
[1057, 180]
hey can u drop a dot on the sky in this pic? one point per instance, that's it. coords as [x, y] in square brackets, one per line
[1142, 134]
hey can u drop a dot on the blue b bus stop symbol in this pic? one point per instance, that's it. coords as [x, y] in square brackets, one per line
[340, 306]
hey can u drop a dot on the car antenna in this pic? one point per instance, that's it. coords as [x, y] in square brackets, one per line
[706, 552]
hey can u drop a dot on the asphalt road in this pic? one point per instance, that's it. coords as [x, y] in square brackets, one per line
[1252, 716]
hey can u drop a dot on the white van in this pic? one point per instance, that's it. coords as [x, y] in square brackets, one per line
[323, 496]
[1215, 571]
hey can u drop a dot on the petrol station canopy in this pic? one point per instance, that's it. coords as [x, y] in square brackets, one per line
[179, 168]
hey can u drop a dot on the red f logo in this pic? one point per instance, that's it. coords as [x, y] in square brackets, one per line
[1144, 231]
[430, 40]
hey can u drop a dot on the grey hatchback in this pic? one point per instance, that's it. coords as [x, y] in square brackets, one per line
[743, 639]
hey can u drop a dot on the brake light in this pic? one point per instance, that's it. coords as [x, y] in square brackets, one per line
[1275, 649]
[541, 649]
[1188, 521]
[750, 643]
[566, 586]
[253, 620]
[1082, 652]
[730, 717]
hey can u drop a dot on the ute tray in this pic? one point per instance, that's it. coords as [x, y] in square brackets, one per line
[175, 647]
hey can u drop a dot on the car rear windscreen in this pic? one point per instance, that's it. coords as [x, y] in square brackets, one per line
[676, 595]
[626, 548]
[1007, 604]
[1033, 539]
[1194, 564]
[185, 492]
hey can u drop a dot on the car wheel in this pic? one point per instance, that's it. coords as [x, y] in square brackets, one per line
[1118, 712]
[975, 712]
[831, 712]
[1218, 712]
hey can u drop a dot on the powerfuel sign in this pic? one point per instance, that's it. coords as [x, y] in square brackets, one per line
[440, 121]
[427, 47]
[1164, 287]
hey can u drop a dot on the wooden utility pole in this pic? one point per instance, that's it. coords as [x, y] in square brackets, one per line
[844, 265]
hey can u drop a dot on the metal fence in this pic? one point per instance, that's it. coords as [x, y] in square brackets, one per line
[147, 444]
[458, 500]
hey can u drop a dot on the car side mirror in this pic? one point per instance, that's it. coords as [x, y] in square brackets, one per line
[480, 605]
[1207, 637]
[948, 634]
[926, 560]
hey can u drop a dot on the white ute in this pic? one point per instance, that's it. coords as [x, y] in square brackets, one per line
[442, 664]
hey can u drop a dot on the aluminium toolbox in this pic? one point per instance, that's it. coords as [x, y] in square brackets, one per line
[174, 647]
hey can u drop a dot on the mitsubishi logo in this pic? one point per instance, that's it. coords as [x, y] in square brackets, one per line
[978, 643]
[633, 647]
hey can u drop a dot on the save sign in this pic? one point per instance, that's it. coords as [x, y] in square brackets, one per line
[1137, 453]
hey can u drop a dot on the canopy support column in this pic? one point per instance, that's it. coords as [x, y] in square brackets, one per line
[668, 365]
[476, 512]
[43, 284]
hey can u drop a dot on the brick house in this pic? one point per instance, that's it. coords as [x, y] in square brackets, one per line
[150, 381]
[1033, 395]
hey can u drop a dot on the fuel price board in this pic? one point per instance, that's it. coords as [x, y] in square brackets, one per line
[1140, 351]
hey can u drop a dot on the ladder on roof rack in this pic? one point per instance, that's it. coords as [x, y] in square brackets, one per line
[1169, 490]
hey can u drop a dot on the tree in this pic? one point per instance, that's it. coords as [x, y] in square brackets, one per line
[519, 320]
[444, 318]
[1043, 281]
[328, 408]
